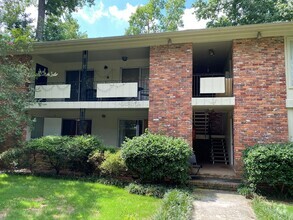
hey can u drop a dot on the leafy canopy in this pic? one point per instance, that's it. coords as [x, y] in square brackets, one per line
[15, 74]
[157, 16]
[64, 28]
[240, 12]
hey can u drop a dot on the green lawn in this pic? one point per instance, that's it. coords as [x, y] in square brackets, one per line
[28, 197]
[272, 210]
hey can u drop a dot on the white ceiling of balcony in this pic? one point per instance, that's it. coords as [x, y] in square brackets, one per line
[203, 60]
[134, 53]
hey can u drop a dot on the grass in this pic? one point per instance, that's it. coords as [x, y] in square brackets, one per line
[272, 210]
[29, 197]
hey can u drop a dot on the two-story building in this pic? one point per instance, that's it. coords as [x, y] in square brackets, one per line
[221, 89]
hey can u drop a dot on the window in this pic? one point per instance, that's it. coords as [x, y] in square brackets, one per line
[130, 129]
[72, 127]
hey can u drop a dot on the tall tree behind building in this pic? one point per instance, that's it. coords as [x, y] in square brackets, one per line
[222, 13]
[157, 16]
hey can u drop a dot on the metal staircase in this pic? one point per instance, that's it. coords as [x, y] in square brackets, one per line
[202, 125]
[219, 152]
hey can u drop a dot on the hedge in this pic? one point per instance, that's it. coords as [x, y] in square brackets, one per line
[270, 165]
[157, 158]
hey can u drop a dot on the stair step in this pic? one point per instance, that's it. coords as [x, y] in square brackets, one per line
[215, 183]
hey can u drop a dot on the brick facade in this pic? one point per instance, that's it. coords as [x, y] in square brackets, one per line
[170, 110]
[260, 114]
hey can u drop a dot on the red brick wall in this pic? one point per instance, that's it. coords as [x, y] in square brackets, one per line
[260, 115]
[170, 110]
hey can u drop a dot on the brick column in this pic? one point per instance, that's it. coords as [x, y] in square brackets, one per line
[170, 110]
[260, 114]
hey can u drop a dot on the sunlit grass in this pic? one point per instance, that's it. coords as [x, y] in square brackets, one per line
[272, 210]
[28, 197]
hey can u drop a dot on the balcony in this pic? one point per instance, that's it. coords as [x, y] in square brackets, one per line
[93, 92]
[213, 91]
[212, 85]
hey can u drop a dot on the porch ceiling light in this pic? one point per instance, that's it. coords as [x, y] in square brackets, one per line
[211, 52]
[124, 58]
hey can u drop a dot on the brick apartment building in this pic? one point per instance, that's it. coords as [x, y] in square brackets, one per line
[221, 89]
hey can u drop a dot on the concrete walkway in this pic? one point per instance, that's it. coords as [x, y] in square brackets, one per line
[216, 204]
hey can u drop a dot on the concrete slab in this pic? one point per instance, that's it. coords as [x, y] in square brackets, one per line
[215, 204]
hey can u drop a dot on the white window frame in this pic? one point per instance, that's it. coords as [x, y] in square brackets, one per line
[289, 66]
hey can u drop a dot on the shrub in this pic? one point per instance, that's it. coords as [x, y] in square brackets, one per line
[157, 158]
[113, 164]
[80, 147]
[177, 205]
[55, 150]
[148, 190]
[270, 165]
[12, 158]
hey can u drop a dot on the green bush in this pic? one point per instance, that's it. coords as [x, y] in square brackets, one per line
[12, 158]
[113, 164]
[157, 158]
[55, 150]
[80, 147]
[270, 165]
[148, 190]
[60, 152]
[177, 205]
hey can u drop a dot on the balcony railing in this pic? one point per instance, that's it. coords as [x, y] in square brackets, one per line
[212, 85]
[93, 91]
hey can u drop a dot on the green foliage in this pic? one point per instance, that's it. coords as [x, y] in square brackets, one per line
[65, 28]
[32, 197]
[113, 164]
[157, 16]
[177, 205]
[265, 209]
[55, 9]
[15, 96]
[55, 150]
[59, 152]
[157, 158]
[147, 189]
[246, 191]
[239, 12]
[79, 149]
[13, 16]
[12, 158]
[271, 165]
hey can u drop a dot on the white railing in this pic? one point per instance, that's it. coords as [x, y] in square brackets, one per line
[114, 90]
[60, 91]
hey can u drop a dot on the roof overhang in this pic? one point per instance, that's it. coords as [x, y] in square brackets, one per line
[146, 40]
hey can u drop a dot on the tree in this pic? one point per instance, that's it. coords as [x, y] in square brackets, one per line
[12, 14]
[240, 12]
[157, 16]
[15, 74]
[55, 8]
[57, 28]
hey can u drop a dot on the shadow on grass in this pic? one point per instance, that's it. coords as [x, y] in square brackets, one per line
[29, 197]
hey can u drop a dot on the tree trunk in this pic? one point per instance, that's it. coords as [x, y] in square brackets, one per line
[41, 20]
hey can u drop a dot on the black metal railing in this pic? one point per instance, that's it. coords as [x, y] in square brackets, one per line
[196, 85]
